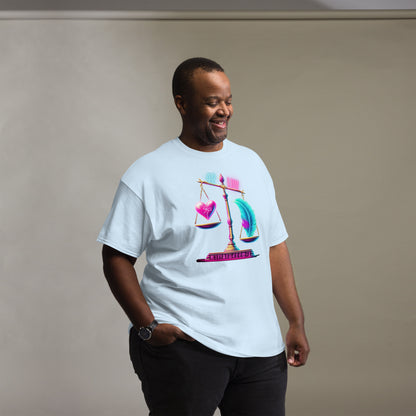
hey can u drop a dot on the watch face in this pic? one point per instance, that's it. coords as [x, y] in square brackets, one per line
[145, 333]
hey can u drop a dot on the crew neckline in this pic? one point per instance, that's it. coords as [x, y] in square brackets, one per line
[201, 154]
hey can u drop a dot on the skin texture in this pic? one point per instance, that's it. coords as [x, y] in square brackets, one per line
[205, 115]
[122, 279]
[284, 290]
[207, 105]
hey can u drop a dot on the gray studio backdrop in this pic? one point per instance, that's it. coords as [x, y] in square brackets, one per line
[328, 104]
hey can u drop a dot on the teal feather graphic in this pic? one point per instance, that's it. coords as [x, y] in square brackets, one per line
[247, 216]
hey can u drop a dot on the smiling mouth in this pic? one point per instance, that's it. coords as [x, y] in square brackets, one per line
[220, 124]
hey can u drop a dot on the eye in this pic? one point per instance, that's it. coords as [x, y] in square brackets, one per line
[228, 103]
[212, 103]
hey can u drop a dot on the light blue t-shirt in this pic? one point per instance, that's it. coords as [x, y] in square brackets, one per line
[206, 221]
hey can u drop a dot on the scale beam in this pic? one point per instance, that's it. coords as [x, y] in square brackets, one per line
[221, 186]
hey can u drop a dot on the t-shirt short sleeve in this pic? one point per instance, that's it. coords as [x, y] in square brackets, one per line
[127, 227]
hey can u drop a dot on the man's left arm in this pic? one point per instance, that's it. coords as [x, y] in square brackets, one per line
[284, 290]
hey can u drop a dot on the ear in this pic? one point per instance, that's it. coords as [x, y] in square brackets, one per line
[180, 104]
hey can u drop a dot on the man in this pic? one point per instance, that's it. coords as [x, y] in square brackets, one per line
[205, 333]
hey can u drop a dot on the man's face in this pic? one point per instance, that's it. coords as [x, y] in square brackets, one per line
[208, 107]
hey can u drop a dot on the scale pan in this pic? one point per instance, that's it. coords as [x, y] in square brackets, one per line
[249, 239]
[208, 225]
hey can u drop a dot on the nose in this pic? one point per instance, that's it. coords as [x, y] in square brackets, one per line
[225, 109]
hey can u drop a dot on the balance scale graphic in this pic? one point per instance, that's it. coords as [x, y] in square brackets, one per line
[248, 221]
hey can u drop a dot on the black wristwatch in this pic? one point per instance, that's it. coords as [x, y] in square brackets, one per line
[145, 332]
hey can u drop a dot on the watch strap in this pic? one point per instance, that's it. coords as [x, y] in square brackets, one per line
[153, 325]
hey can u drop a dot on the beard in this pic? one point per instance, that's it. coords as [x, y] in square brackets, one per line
[207, 136]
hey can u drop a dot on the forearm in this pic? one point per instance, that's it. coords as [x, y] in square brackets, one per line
[284, 288]
[122, 279]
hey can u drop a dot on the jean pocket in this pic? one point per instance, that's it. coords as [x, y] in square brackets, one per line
[162, 346]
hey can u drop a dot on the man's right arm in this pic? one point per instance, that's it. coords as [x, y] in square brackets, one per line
[122, 279]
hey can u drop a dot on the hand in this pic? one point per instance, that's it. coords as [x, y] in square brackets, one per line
[297, 346]
[165, 334]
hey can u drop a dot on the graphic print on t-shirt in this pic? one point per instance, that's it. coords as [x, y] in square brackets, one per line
[206, 208]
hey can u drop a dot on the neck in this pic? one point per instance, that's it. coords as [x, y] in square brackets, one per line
[195, 144]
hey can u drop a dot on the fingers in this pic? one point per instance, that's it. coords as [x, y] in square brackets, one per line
[172, 332]
[184, 336]
[165, 334]
[296, 357]
[290, 355]
[297, 347]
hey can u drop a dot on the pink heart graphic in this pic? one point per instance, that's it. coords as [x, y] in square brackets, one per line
[206, 209]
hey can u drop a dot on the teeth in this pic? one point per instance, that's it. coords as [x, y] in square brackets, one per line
[220, 123]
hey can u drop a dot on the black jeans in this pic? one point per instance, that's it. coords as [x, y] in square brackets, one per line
[188, 379]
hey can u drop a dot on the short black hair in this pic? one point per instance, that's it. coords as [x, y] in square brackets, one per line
[183, 74]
